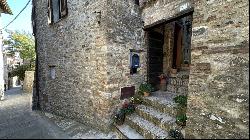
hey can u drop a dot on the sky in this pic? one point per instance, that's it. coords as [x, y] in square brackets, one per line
[23, 21]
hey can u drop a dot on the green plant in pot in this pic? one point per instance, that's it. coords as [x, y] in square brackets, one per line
[174, 70]
[186, 63]
[181, 100]
[136, 99]
[120, 117]
[181, 119]
[146, 89]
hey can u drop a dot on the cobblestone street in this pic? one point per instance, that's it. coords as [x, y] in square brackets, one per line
[17, 120]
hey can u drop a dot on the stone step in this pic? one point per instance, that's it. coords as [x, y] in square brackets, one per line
[181, 75]
[177, 89]
[183, 72]
[160, 119]
[146, 128]
[73, 130]
[126, 132]
[162, 104]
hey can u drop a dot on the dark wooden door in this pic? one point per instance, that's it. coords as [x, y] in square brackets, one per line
[179, 47]
[177, 50]
[155, 58]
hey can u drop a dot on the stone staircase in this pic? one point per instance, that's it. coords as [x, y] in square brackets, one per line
[152, 120]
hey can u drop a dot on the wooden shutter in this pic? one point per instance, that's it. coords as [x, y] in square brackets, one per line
[137, 2]
[33, 19]
[50, 11]
[56, 10]
[63, 8]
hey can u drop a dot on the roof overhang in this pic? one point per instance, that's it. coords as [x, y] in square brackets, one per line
[5, 7]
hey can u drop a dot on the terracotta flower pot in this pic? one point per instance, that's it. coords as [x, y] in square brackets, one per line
[173, 71]
[186, 65]
[163, 84]
[146, 94]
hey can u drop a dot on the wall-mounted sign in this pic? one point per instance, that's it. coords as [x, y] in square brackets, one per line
[184, 6]
[127, 92]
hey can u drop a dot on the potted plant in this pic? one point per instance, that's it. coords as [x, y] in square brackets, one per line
[173, 70]
[186, 63]
[146, 89]
[136, 99]
[181, 119]
[120, 117]
[163, 82]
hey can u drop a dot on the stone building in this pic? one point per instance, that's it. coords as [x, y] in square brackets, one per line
[4, 8]
[10, 62]
[86, 49]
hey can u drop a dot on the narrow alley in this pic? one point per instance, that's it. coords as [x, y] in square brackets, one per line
[18, 121]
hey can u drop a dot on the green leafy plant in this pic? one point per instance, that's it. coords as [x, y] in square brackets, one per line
[23, 43]
[181, 109]
[20, 71]
[174, 133]
[130, 109]
[136, 99]
[145, 88]
[181, 119]
[181, 100]
[185, 62]
[127, 108]
[119, 117]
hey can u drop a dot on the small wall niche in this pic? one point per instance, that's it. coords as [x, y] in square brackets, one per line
[52, 72]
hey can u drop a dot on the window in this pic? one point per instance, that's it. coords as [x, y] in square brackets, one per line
[137, 2]
[52, 72]
[57, 9]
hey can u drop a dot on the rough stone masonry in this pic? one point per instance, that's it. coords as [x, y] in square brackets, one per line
[83, 60]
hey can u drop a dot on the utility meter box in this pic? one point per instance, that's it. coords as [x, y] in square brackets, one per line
[134, 60]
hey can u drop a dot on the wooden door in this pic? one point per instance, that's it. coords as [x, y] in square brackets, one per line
[155, 58]
[179, 47]
[177, 50]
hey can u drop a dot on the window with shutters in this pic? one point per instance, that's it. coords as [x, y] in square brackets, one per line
[137, 2]
[57, 9]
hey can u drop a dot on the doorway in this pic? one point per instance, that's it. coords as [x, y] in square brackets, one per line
[169, 47]
[155, 57]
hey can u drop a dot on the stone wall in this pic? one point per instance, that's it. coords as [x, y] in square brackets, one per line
[218, 100]
[154, 11]
[27, 82]
[1, 64]
[75, 48]
[90, 48]
[124, 33]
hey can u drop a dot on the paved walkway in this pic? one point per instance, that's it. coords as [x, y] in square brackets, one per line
[18, 121]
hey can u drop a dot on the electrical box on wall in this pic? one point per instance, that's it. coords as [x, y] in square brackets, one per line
[134, 61]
